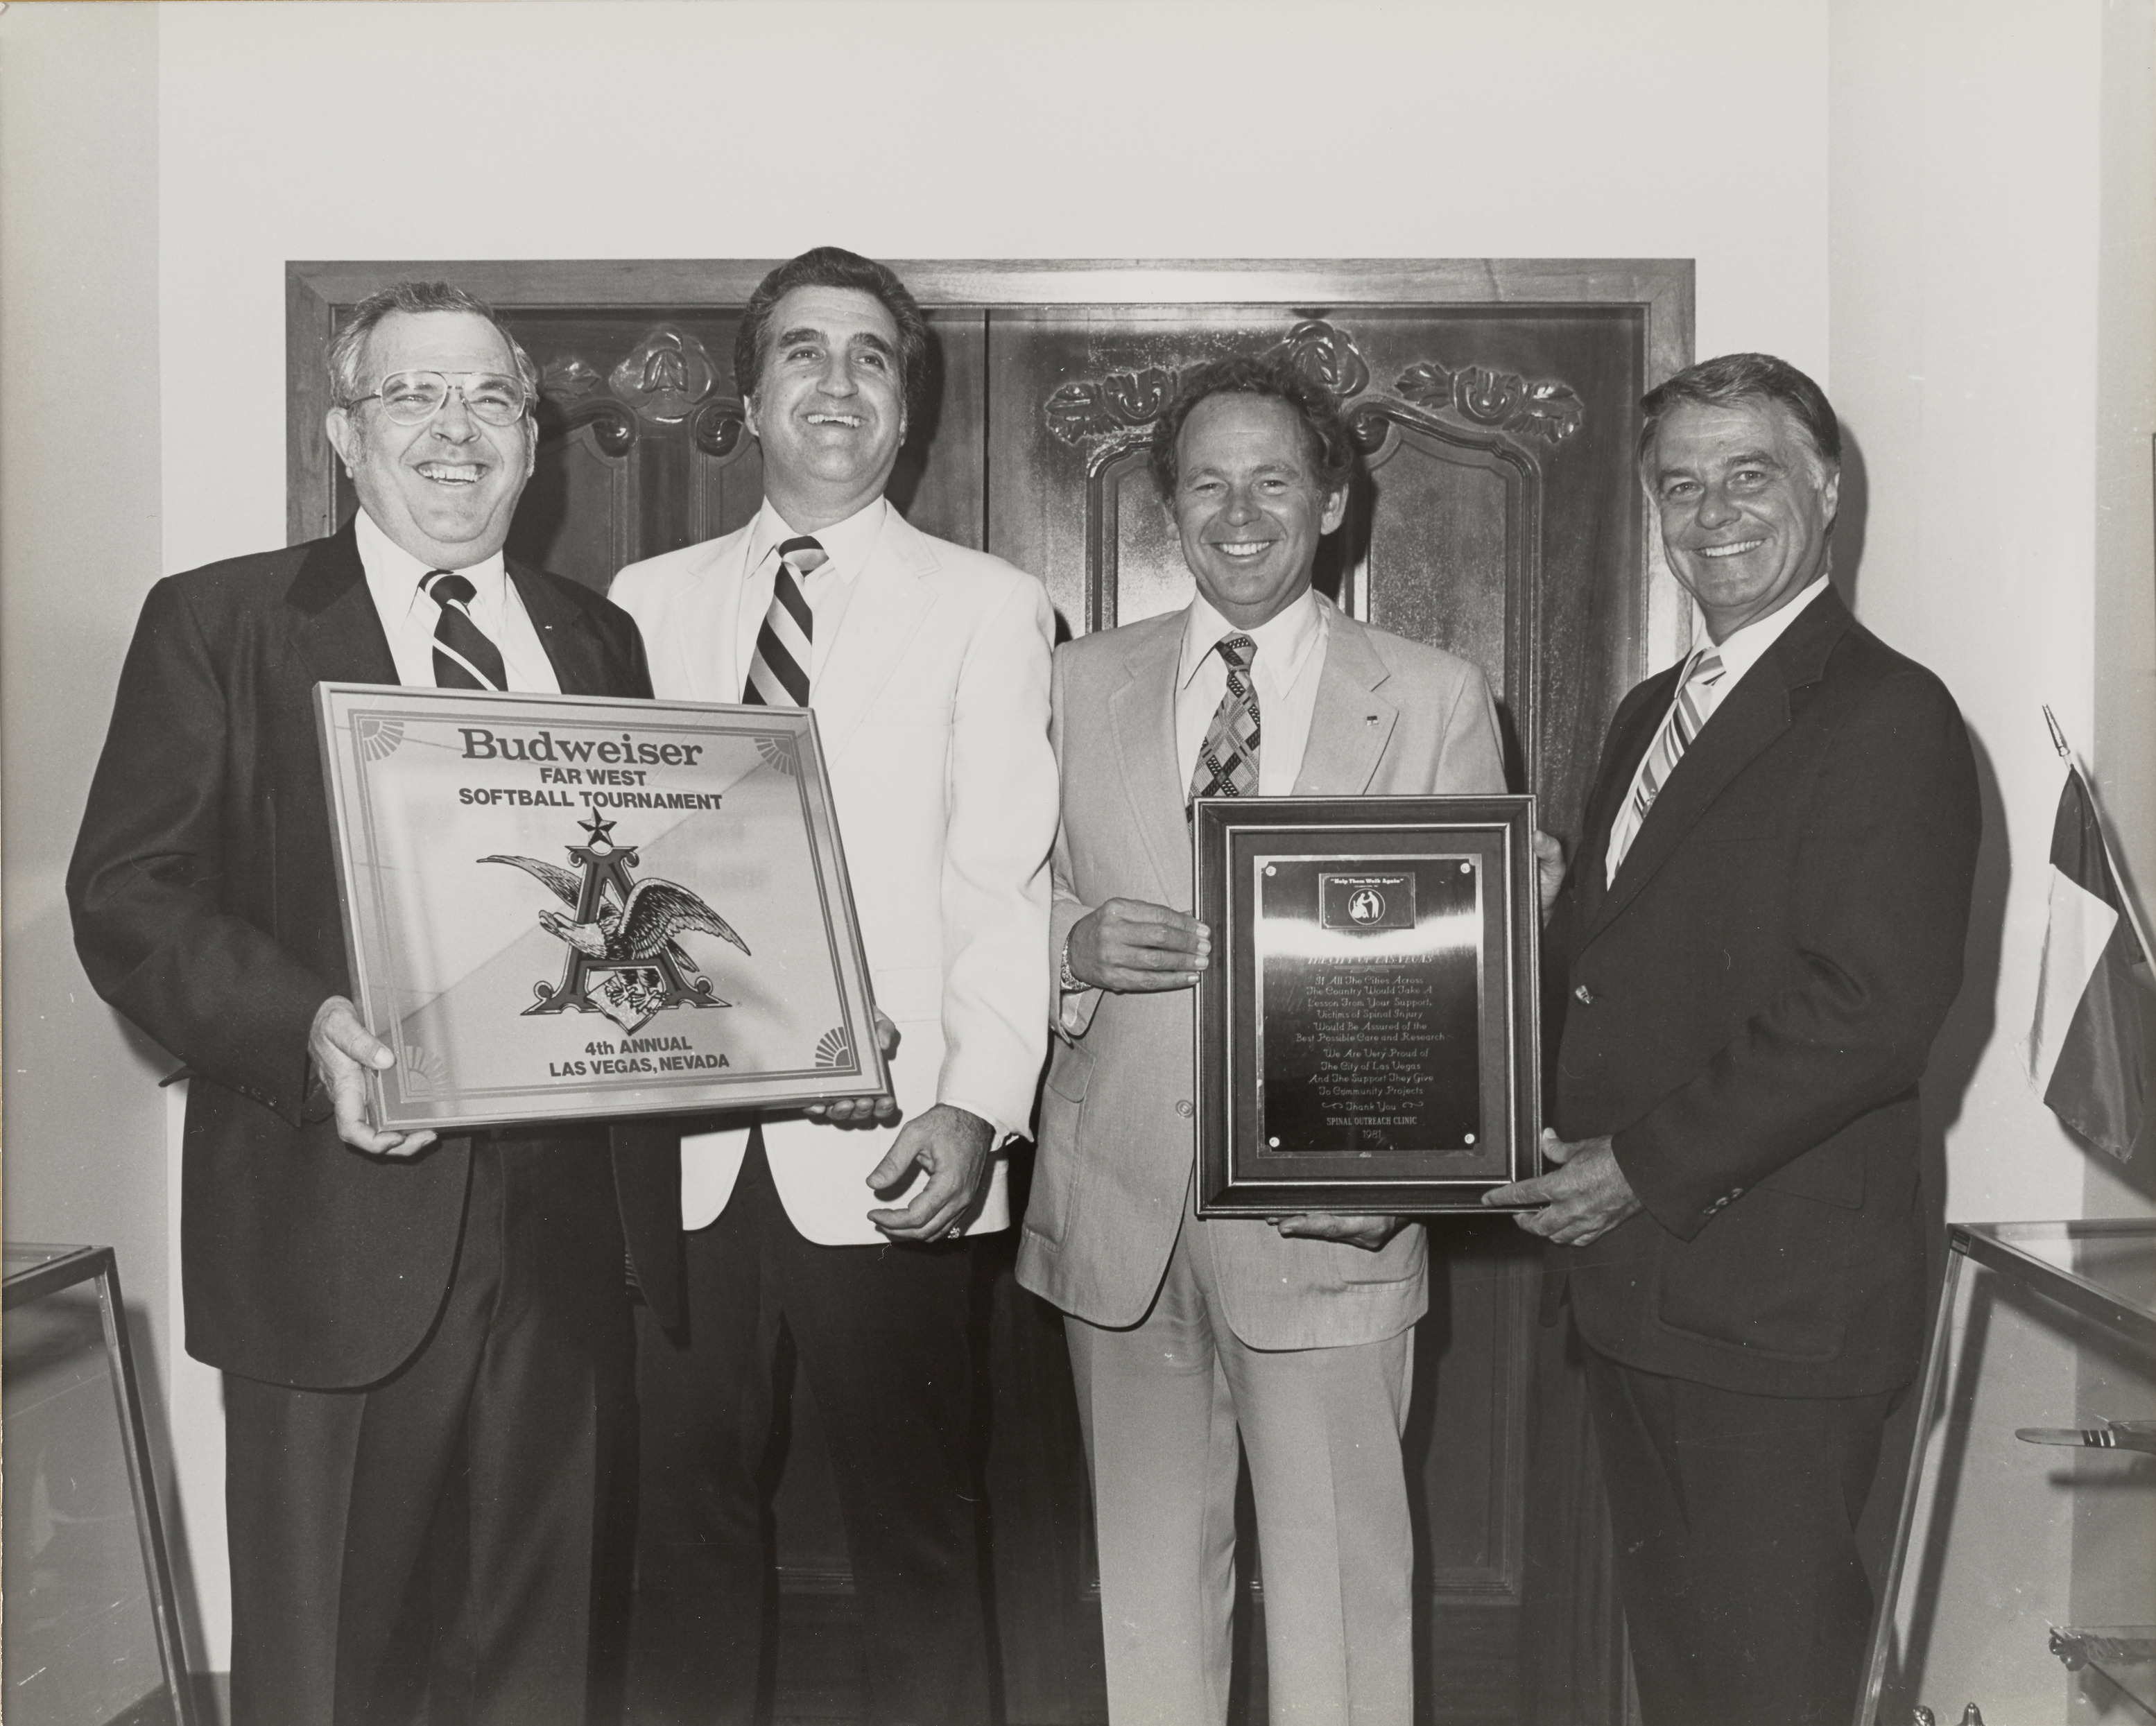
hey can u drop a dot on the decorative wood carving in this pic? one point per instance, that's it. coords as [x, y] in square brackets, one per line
[1122, 407]
[717, 427]
[612, 426]
[1481, 395]
[569, 377]
[664, 380]
[665, 375]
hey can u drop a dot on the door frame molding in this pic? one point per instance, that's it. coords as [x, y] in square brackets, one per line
[317, 293]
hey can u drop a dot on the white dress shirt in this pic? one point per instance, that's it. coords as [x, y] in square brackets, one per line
[408, 615]
[1288, 666]
[1746, 647]
[1743, 650]
[828, 590]
[1290, 656]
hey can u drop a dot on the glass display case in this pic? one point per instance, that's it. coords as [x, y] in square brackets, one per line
[2023, 1582]
[91, 1636]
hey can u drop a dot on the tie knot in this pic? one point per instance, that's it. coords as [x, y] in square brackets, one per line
[445, 587]
[805, 553]
[1238, 650]
[1706, 668]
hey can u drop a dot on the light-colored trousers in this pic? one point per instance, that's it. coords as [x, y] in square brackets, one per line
[1163, 1404]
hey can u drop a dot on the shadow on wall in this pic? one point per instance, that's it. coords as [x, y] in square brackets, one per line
[1850, 517]
[1969, 1027]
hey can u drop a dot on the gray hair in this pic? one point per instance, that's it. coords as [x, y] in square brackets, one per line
[347, 350]
[1734, 377]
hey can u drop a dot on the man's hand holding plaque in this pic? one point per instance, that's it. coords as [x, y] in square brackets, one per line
[1128, 946]
[343, 1050]
[863, 1111]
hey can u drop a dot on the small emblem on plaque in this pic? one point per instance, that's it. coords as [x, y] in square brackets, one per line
[1365, 904]
[625, 959]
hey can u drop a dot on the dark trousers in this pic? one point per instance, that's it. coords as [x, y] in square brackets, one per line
[441, 1526]
[1736, 1524]
[881, 1333]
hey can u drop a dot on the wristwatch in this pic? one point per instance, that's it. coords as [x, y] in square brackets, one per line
[1071, 985]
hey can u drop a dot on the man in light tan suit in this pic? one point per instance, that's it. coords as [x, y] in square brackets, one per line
[1184, 1335]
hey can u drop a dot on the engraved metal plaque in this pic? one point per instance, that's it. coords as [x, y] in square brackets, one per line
[1367, 1032]
[558, 906]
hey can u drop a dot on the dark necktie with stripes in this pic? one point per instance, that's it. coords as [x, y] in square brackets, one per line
[465, 656]
[1679, 726]
[778, 674]
[1227, 758]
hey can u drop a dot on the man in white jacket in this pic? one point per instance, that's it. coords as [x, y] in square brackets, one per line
[927, 667]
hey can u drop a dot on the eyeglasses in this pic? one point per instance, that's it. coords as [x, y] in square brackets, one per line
[414, 397]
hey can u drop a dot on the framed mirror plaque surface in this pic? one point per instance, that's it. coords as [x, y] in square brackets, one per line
[1367, 1032]
[566, 906]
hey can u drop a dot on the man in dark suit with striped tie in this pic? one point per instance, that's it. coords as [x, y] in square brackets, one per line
[426, 1343]
[1764, 927]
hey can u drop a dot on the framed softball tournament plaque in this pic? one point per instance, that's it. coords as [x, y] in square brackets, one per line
[1367, 1032]
[569, 906]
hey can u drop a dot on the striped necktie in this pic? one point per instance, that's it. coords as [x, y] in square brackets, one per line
[1227, 758]
[465, 656]
[1679, 726]
[778, 674]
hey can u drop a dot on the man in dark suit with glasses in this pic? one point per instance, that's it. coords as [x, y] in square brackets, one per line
[426, 1343]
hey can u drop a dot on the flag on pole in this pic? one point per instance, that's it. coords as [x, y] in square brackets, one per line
[2093, 1040]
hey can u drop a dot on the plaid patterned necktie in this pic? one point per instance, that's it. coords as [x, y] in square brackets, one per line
[1679, 726]
[1227, 758]
[465, 656]
[778, 674]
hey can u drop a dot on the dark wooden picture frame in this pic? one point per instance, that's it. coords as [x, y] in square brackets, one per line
[1242, 1170]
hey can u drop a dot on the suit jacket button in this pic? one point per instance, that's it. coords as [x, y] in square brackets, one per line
[1583, 995]
[1183, 1108]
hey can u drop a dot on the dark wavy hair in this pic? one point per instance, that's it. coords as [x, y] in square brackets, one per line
[833, 267]
[1330, 451]
[1735, 377]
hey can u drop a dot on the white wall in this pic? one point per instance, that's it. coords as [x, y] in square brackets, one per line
[79, 540]
[1970, 183]
[2124, 747]
[1788, 158]
[1089, 130]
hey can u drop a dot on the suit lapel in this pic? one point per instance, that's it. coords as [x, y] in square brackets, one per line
[700, 636]
[893, 593]
[1142, 719]
[1751, 717]
[574, 649]
[1630, 732]
[1352, 721]
[335, 625]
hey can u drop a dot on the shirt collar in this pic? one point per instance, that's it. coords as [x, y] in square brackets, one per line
[394, 574]
[1284, 639]
[846, 543]
[1744, 648]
